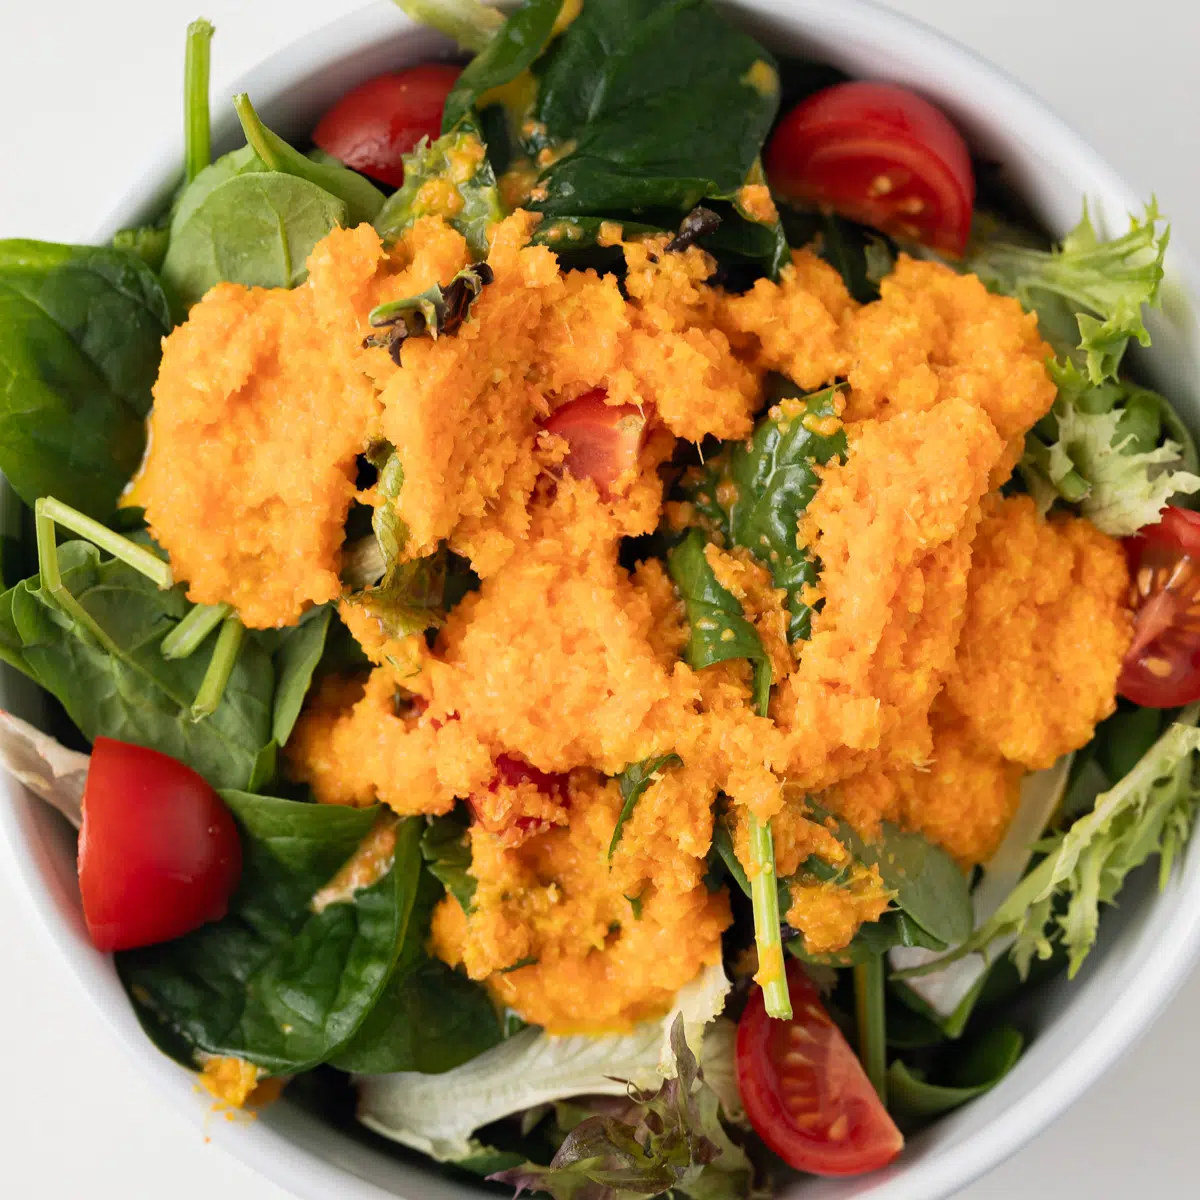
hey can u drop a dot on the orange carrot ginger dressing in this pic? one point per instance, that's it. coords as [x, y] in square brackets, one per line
[962, 639]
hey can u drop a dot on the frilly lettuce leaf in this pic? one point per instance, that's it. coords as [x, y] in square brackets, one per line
[437, 1114]
[667, 1141]
[1103, 284]
[1149, 812]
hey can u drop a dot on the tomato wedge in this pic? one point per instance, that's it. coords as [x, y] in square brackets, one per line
[511, 772]
[805, 1091]
[372, 127]
[881, 155]
[1162, 665]
[604, 439]
[159, 853]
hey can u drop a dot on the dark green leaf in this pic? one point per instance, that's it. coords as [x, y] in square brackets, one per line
[775, 478]
[137, 695]
[81, 332]
[927, 883]
[295, 661]
[872, 939]
[1124, 738]
[859, 254]
[443, 160]
[976, 1070]
[662, 105]
[633, 781]
[719, 630]
[276, 983]
[446, 848]
[723, 848]
[255, 228]
[520, 41]
[430, 1018]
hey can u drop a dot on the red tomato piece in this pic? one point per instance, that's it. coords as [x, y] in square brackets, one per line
[1162, 665]
[605, 440]
[881, 155]
[372, 127]
[159, 853]
[805, 1091]
[500, 819]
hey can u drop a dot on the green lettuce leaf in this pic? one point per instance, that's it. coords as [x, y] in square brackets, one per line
[438, 1114]
[1103, 285]
[1149, 812]
[1118, 451]
[666, 1141]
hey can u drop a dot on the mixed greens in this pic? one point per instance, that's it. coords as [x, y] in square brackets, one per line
[306, 970]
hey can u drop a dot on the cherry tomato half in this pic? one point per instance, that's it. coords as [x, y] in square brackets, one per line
[159, 853]
[1162, 666]
[373, 126]
[605, 439]
[512, 772]
[805, 1091]
[878, 154]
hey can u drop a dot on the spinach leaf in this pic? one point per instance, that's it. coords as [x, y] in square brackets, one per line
[719, 630]
[295, 660]
[446, 849]
[633, 781]
[861, 256]
[256, 228]
[775, 478]
[81, 331]
[458, 163]
[929, 886]
[148, 242]
[362, 199]
[429, 1018]
[894, 928]
[513, 49]
[660, 104]
[974, 1072]
[135, 694]
[276, 983]
[193, 197]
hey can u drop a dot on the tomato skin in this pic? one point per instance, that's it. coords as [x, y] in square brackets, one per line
[159, 852]
[1162, 665]
[881, 155]
[605, 440]
[805, 1091]
[512, 772]
[371, 127]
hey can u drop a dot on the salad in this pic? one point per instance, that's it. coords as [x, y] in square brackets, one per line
[611, 612]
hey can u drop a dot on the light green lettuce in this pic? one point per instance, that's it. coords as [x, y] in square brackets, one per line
[437, 1114]
[1149, 812]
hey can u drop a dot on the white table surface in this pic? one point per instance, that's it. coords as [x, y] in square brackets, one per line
[85, 88]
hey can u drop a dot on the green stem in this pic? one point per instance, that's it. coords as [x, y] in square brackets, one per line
[130, 553]
[764, 896]
[872, 1035]
[260, 139]
[471, 24]
[51, 576]
[197, 129]
[220, 667]
[185, 639]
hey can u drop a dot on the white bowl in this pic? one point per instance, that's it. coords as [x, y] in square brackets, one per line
[1146, 947]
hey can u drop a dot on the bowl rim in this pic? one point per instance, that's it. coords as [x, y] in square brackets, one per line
[26, 830]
